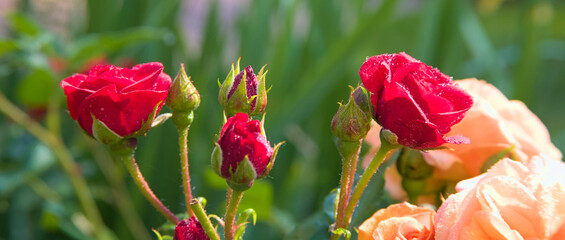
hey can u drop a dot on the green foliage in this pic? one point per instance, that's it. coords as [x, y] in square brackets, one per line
[313, 48]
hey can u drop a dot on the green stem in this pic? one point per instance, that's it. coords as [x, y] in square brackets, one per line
[183, 144]
[349, 151]
[200, 214]
[120, 192]
[233, 198]
[124, 151]
[67, 162]
[365, 178]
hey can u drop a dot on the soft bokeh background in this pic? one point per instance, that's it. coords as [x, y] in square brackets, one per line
[313, 50]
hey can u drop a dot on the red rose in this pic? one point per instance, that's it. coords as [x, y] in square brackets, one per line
[416, 102]
[242, 153]
[124, 100]
[190, 229]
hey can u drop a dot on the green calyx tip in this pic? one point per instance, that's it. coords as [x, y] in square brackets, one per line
[244, 175]
[102, 133]
[183, 96]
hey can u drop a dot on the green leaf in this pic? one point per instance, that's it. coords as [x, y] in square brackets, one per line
[36, 88]
[107, 43]
[259, 197]
[7, 46]
[22, 24]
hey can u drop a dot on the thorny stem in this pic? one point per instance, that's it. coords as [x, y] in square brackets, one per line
[124, 151]
[200, 214]
[233, 198]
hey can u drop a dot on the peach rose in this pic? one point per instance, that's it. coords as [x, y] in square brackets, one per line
[399, 221]
[493, 124]
[512, 200]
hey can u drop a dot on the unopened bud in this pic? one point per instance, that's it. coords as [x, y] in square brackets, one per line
[183, 96]
[352, 120]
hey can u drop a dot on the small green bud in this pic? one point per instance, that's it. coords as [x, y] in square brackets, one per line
[352, 121]
[414, 188]
[183, 96]
[412, 165]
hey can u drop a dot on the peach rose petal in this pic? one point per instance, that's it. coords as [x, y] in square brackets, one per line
[513, 200]
[399, 221]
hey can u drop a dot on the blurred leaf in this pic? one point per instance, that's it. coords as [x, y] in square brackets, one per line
[22, 24]
[260, 198]
[213, 180]
[36, 88]
[106, 43]
[7, 46]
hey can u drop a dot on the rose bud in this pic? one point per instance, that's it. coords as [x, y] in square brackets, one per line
[416, 102]
[111, 103]
[190, 229]
[183, 96]
[243, 153]
[353, 120]
[248, 97]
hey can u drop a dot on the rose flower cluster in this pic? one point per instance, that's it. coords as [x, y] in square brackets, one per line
[467, 163]
[504, 182]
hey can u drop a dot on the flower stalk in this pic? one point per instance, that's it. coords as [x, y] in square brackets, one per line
[124, 150]
[233, 199]
[200, 214]
[386, 147]
[349, 150]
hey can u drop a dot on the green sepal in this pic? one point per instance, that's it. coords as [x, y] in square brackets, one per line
[146, 125]
[242, 222]
[261, 96]
[389, 137]
[271, 160]
[505, 153]
[217, 159]
[238, 101]
[102, 133]
[227, 85]
[244, 175]
[162, 118]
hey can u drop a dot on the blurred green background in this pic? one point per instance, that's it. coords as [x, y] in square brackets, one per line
[313, 49]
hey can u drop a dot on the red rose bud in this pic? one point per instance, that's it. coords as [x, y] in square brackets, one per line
[353, 120]
[111, 103]
[248, 97]
[243, 153]
[183, 96]
[190, 229]
[416, 102]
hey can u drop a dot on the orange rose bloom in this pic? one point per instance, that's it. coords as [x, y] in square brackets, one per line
[399, 221]
[513, 200]
[493, 124]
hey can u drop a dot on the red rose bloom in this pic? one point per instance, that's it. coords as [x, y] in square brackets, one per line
[124, 100]
[190, 229]
[242, 137]
[416, 102]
